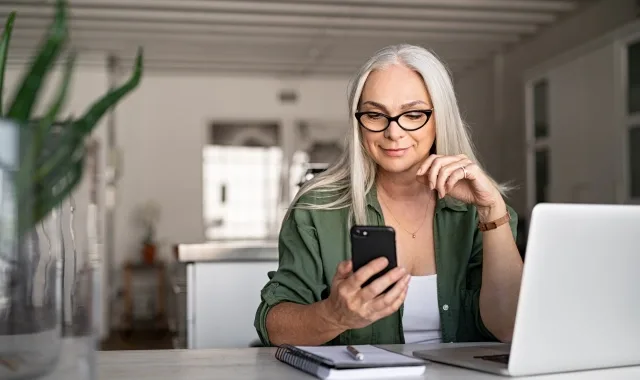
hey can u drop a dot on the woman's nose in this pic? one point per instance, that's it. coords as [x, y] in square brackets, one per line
[394, 132]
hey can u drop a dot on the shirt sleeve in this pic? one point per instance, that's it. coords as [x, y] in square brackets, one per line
[477, 331]
[299, 277]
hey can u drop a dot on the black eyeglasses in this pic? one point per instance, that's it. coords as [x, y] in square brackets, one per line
[409, 121]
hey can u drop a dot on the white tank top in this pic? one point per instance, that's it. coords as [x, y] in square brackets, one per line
[421, 315]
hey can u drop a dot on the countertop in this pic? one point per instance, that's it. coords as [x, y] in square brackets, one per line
[229, 251]
[260, 363]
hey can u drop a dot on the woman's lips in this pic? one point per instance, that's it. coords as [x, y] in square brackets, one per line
[395, 152]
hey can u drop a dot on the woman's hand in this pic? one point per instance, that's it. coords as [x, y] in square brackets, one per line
[353, 307]
[460, 178]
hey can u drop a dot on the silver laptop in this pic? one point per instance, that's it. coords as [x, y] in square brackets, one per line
[579, 305]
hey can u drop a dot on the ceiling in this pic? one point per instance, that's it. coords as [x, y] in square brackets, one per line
[283, 37]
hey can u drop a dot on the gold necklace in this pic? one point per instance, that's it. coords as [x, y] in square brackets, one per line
[413, 234]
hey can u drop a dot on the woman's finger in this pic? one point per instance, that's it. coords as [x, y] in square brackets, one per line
[379, 304]
[344, 270]
[393, 299]
[367, 271]
[473, 171]
[435, 169]
[450, 172]
[426, 164]
[378, 286]
[456, 176]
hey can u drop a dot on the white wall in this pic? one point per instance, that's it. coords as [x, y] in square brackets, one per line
[583, 135]
[475, 96]
[501, 135]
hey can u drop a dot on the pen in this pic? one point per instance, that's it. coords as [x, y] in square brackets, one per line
[355, 353]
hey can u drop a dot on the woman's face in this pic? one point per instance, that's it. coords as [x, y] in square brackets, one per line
[393, 91]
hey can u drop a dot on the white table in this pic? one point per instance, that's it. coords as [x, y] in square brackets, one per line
[259, 363]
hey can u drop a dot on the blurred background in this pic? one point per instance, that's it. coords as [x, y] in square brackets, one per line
[241, 101]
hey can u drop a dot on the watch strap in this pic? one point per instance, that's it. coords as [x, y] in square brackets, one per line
[486, 226]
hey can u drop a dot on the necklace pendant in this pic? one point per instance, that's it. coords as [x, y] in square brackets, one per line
[413, 236]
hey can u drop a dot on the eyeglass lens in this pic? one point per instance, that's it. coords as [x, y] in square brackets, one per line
[377, 122]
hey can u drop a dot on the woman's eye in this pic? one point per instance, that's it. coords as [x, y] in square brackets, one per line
[414, 116]
[374, 116]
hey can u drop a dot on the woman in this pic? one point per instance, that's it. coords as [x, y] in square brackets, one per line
[410, 165]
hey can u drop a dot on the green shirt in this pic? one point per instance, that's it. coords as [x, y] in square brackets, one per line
[313, 242]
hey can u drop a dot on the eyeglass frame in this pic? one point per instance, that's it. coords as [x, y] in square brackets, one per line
[427, 112]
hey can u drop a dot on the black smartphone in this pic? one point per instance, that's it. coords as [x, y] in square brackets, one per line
[371, 242]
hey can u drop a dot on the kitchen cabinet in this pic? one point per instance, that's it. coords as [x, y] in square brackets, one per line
[216, 291]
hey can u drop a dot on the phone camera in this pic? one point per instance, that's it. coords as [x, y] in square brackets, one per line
[364, 233]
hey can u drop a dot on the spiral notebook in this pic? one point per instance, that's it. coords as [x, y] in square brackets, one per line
[335, 362]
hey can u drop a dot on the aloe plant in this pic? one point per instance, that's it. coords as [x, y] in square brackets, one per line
[47, 175]
[4, 48]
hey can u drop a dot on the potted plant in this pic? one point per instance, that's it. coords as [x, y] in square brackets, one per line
[147, 215]
[42, 161]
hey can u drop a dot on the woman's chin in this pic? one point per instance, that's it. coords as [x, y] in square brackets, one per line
[397, 166]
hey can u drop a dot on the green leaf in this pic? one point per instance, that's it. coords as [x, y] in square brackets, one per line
[63, 146]
[45, 123]
[89, 120]
[58, 188]
[66, 145]
[4, 52]
[25, 98]
[48, 194]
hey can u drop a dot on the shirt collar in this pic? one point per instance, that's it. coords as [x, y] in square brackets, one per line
[446, 202]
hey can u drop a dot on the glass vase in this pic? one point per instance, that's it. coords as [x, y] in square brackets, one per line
[30, 268]
[47, 271]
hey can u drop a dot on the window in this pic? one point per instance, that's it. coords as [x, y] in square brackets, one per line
[542, 174]
[539, 153]
[540, 109]
[241, 191]
[633, 121]
[634, 161]
[243, 188]
[633, 67]
[245, 193]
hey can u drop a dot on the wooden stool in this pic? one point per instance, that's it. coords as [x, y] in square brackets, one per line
[159, 320]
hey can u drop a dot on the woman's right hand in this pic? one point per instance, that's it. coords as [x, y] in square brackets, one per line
[353, 307]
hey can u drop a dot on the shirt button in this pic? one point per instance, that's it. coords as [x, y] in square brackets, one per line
[445, 307]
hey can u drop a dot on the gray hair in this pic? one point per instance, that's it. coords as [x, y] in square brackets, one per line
[351, 177]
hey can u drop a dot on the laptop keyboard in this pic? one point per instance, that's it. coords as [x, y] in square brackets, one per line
[502, 358]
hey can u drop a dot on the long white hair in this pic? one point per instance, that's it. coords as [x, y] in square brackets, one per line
[346, 183]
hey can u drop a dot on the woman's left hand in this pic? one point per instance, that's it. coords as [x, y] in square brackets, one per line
[460, 178]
